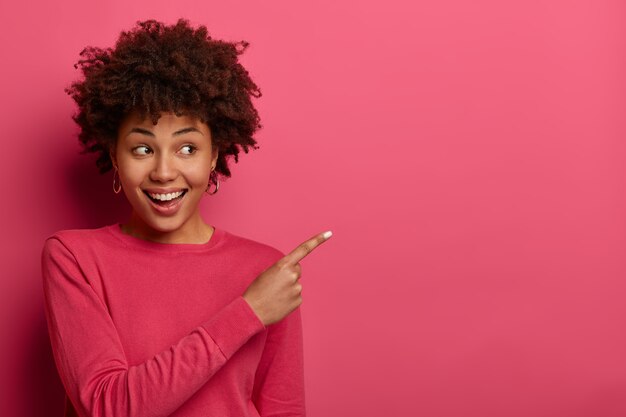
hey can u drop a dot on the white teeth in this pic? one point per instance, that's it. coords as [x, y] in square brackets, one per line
[166, 197]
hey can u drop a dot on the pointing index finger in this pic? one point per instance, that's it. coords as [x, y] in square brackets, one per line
[306, 247]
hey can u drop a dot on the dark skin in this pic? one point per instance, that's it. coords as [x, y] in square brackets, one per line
[277, 291]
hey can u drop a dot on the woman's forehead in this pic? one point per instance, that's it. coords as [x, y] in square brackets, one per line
[169, 125]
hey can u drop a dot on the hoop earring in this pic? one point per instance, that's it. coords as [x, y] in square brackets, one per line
[213, 178]
[116, 187]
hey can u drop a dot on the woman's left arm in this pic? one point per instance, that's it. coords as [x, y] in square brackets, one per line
[279, 381]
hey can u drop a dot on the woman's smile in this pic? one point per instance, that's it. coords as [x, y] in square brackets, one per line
[164, 169]
[166, 203]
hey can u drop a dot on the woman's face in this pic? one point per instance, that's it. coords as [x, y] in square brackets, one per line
[164, 170]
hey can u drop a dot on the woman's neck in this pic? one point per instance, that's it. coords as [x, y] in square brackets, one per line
[195, 230]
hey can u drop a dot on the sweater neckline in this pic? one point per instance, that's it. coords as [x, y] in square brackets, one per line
[116, 230]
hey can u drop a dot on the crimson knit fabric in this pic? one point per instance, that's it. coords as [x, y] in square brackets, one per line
[141, 328]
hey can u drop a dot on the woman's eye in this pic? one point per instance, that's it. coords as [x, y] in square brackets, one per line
[141, 150]
[188, 149]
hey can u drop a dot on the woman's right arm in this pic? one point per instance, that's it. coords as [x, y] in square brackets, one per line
[91, 360]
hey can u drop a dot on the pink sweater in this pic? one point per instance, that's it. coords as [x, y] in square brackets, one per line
[140, 328]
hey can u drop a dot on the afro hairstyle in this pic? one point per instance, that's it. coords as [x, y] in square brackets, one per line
[158, 68]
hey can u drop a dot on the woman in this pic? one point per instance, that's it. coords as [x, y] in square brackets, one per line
[166, 314]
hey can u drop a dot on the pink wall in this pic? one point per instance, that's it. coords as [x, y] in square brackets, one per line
[468, 155]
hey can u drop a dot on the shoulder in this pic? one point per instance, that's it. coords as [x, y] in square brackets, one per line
[71, 240]
[252, 248]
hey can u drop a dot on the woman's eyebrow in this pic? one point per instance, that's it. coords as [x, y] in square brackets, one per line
[178, 132]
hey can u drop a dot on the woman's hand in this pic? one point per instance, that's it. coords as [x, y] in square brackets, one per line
[277, 291]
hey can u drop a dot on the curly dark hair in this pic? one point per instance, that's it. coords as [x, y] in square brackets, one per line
[157, 68]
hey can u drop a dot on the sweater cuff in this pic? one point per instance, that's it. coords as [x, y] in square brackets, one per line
[233, 325]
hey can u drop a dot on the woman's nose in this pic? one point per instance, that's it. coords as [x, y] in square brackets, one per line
[164, 169]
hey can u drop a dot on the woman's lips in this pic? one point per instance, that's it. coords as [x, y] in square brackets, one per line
[162, 190]
[167, 208]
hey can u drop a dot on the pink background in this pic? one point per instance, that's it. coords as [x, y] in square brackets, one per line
[468, 155]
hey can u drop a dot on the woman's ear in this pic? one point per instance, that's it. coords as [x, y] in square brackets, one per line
[112, 156]
[216, 154]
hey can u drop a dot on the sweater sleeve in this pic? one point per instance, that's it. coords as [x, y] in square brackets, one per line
[279, 381]
[91, 361]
